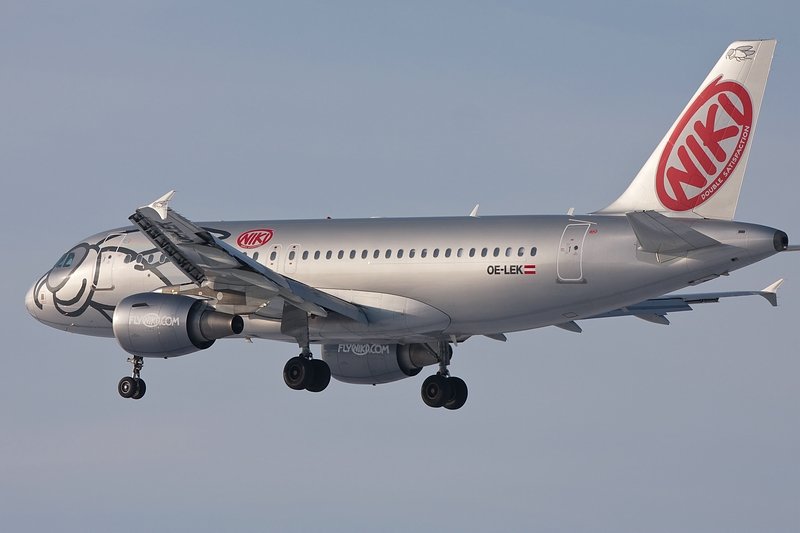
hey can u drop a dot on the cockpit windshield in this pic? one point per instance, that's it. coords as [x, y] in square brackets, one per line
[72, 259]
[66, 260]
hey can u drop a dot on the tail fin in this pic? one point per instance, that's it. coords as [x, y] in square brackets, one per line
[698, 167]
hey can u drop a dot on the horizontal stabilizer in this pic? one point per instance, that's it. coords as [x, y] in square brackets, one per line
[660, 234]
[655, 309]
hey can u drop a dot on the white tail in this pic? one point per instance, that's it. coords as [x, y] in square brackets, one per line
[698, 167]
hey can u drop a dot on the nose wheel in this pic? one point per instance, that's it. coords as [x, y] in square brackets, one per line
[133, 386]
[442, 389]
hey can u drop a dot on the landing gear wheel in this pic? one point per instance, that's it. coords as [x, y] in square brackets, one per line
[436, 390]
[298, 373]
[127, 387]
[458, 394]
[322, 375]
[140, 389]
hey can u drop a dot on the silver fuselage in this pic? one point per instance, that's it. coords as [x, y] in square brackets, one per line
[419, 278]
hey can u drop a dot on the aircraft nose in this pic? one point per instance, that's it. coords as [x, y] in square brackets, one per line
[30, 302]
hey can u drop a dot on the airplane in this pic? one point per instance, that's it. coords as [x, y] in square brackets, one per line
[387, 297]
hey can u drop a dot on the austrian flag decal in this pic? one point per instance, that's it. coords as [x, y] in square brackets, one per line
[706, 146]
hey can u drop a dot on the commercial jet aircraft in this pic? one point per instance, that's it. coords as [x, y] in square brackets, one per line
[387, 297]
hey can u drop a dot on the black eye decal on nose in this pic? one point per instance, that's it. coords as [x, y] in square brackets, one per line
[68, 264]
[66, 267]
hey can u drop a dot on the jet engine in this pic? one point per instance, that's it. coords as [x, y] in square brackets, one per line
[164, 325]
[370, 364]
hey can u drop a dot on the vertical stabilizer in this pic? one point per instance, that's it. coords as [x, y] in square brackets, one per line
[698, 167]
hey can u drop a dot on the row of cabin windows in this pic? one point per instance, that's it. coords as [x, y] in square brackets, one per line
[522, 251]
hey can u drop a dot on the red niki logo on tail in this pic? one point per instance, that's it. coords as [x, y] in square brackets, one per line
[706, 146]
[254, 238]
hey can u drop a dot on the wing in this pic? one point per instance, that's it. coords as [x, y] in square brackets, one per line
[656, 309]
[210, 262]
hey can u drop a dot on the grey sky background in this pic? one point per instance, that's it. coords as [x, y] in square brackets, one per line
[356, 109]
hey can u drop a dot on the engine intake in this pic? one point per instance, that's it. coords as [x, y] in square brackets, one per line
[164, 325]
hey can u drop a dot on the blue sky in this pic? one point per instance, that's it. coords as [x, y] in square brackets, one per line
[308, 109]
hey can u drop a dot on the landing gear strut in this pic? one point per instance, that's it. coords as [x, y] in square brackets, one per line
[302, 372]
[442, 389]
[133, 387]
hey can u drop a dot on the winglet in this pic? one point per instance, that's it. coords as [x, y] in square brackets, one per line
[771, 293]
[161, 205]
[474, 212]
[570, 326]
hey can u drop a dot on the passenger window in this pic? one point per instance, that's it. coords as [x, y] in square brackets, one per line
[352, 254]
[424, 252]
[484, 252]
[376, 254]
[533, 251]
[273, 256]
[472, 252]
[435, 252]
[340, 255]
[508, 252]
[447, 252]
[305, 255]
[411, 253]
[496, 252]
[316, 255]
[128, 258]
[328, 254]
[139, 258]
[521, 251]
[255, 256]
[460, 252]
[388, 253]
[291, 255]
[364, 254]
[400, 253]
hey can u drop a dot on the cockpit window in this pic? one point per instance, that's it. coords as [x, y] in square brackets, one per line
[72, 258]
[66, 260]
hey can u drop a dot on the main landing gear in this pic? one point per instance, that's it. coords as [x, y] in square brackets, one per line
[303, 372]
[442, 389]
[133, 387]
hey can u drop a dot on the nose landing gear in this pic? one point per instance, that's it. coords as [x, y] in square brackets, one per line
[133, 387]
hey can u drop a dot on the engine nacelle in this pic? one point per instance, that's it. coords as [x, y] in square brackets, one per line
[165, 325]
[370, 364]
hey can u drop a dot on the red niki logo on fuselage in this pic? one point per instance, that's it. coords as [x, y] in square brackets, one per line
[254, 238]
[706, 146]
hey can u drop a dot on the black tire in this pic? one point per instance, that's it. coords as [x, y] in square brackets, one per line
[435, 390]
[298, 373]
[141, 387]
[126, 387]
[458, 396]
[322, 376]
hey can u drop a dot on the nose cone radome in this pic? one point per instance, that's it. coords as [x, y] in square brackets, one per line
[30, 302]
